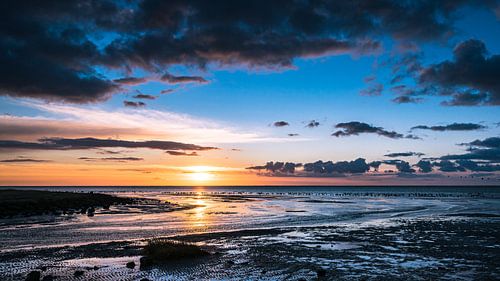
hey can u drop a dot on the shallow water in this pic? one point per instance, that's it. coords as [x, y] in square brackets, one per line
[317, 211]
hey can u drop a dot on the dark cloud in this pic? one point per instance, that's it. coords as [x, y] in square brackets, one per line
[280, 124]
[492, 154]
[352, 167]
[452, 127]
[355, 128]
[448, 166]
[478, 166]
[50, 51]
[375, 164]
[406, 99]
[92, 143]
[313, 124]
[424, 166]
[172, 79]
[24, 160]
[167, 91]
[104, 151]
[404, 167]
[117, 159]
[277, 167]
[404, 154]
[318, 168]
[485, 150]
[492, 142]
[401, 166]
[373, 90]
[130, 80]
[144, 97]
[181, 153]
[135, 104]
[471, 78]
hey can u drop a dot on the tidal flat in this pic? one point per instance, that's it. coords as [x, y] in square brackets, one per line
[306, 233]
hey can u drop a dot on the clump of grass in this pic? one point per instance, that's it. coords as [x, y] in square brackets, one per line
[160, 250]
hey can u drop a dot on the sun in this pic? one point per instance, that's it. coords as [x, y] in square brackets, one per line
[201, 176]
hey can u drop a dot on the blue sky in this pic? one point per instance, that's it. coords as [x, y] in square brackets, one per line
[242, 100]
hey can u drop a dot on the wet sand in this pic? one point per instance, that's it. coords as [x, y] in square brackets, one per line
[452, 238]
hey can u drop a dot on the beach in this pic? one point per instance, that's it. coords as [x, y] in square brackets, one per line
[265, 233]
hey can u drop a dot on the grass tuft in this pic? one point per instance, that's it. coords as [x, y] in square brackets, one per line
[160, 250]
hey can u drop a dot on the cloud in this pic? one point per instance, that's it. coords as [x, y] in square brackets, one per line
[478, 167]
[117, 159]
[452, 127]
[24, 160]
[404, 154]
[277, 167]
[181, 153]
[355, 128]
[167, 91]
[144, 96]
[424, 166]
[280, 124]
[83, 121]
[134, 103]
[130, 80]
[49, 43]
[448, 166]
[318, 168]
[373, 90]
[406, 99]
[492, 154]
[492, 142]
[482, 150]
[312, 124]
[401, 166]
[172, 79]
[92, 143]
[470, 78]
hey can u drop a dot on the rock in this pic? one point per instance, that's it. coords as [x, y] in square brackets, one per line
[78, 273]
[90, 211]
[230, 262]
[33, 276]
[42, 268]
[321, 273]
[48, 278]
[145, 262]
[130, 265]
[145, 279]
[95, 267]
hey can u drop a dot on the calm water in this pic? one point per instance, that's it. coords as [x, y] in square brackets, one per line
[377, 233]
[215, 209]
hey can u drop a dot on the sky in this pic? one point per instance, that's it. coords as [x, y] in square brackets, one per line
[250, 92]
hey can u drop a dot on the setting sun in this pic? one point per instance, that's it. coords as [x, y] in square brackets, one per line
[200, 176]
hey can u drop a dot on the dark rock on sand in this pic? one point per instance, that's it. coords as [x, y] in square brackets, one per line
[33, 276]
[130, 265]
[48, 278]
[78, 273]
[145, 279]
[90, 212]
[38, 202]
[321, 273]
[145, 262]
